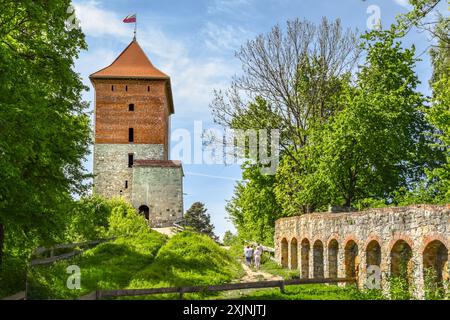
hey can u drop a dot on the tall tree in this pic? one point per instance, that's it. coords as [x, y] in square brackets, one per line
[253, 208]
[374, 146]
[197, 218]
[296, 71]
[291, 81]
[44, 132]
[228, 238]
[438, 113]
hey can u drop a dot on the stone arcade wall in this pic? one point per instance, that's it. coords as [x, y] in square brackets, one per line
[345, 244]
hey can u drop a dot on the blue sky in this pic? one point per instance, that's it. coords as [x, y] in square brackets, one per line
[194, 42]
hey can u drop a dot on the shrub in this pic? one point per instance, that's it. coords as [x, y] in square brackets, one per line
[124, 220]
[88, 220]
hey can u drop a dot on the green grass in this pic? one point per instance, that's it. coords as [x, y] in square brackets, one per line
[296, 292]
[272, 267]
[151, 260]
[108, 266]
[188, 259]
[301, 292]
[140, 262]
[311, 292]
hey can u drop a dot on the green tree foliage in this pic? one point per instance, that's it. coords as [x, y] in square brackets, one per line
[44, 133]
[200, 221]
[377, 144]
[438, 113]
[372, 148]
[289, 80]
[124, 220]
[367, 138]
[415, 17]
[228, 238]
[294, 79]
[88, 219]
[253, 208]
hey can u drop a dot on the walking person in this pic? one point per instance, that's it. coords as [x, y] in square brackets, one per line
[258, 254]
[248, 254]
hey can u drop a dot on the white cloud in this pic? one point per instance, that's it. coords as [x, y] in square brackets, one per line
[224, 37]
[97, 22]
[193, 78]
[226, 6]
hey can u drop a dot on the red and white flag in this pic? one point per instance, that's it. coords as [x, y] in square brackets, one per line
[130, 18]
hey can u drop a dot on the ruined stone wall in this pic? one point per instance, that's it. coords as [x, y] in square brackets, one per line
[346, 244]
[111, 166]
[160, 189]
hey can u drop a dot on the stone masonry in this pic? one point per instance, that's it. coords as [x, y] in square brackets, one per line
[111, 162]
[159, 187]
[343, 245]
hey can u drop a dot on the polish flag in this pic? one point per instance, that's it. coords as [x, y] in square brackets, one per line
[130, 18]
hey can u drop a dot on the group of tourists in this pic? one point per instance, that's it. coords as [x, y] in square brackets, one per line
[253, 255]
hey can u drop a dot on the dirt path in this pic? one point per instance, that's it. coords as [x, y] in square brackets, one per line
[252, 275]
[169, 231]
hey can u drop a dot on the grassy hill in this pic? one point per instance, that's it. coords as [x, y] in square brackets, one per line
[149, 260]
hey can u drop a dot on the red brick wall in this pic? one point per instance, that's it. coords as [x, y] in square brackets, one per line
[149, 118]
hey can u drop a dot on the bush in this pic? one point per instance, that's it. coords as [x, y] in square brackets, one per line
[88, 220]
[400, 288]
[124, 220]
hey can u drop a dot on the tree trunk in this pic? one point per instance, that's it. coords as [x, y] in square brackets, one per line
[2, 238]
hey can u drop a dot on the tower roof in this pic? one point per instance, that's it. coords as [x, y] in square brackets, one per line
[131, 63]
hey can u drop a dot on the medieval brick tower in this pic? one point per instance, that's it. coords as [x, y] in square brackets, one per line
[133, 105]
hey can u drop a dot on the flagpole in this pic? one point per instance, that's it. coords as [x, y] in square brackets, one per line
[135, 27]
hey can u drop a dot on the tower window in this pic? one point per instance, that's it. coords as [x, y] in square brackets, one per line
[130, 161]
[130, 135]
[131, 107]
[126, 184]
[112, 88]
[126, 88]
[148, 89]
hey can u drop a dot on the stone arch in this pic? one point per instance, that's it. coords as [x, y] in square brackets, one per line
[294, 254]
[351, 259]
[435, 264]
[145, 211]
[373, 254]
[304, 255]
[284, 253]
[333, 251]
[401, 260]
[400, 237]
[432, 237]
[318, 271]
